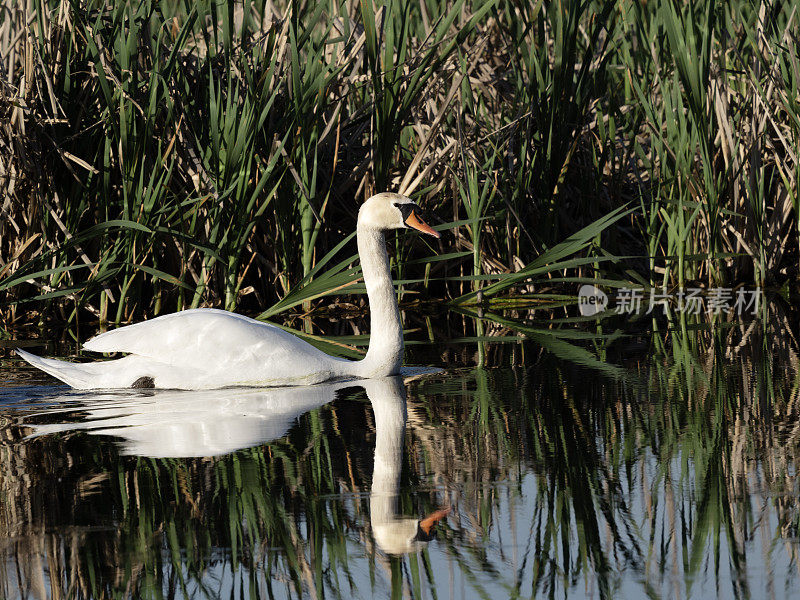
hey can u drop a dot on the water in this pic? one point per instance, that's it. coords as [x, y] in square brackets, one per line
[672, 475]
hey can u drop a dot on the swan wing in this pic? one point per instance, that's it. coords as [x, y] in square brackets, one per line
[203, 331]
[220, 344]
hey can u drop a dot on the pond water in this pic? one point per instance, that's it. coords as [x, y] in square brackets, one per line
[661, 470]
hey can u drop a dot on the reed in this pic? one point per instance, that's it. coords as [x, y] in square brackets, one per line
[714, 101]
[156, 157]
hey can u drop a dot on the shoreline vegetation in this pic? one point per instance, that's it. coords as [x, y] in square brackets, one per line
[161, 156]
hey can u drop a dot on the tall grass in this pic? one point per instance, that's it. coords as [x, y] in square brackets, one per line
[160, 156]
[715, 102]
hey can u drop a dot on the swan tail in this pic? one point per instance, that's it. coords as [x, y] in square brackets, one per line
[70, 373]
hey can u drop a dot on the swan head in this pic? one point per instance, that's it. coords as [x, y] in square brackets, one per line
[399, 535]
[393, 211]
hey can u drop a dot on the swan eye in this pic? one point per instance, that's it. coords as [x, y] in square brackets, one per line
[406, 209]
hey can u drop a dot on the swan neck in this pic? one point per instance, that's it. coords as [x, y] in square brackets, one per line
[385, 354]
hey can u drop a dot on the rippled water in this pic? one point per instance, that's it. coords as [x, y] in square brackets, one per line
[674, 476]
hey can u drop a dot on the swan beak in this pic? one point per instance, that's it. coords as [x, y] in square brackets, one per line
[430, 521]
[415, 222]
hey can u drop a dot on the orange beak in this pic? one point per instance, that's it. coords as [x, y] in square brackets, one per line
[416, 223]
[428, 522]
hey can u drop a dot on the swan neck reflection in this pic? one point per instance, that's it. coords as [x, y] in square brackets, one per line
[394, 533]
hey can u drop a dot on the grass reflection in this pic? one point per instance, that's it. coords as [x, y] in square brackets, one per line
[676, 478]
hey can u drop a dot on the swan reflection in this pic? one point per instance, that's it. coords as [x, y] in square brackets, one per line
[394, 533]
[183, 424]
[180, 424]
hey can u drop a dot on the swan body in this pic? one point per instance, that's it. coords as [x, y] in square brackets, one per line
[202, 348]
[209, 349]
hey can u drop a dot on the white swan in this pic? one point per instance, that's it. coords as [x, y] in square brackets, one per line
[171, 424]
[208, 348]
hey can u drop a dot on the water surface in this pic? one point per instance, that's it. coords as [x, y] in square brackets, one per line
[671, 475]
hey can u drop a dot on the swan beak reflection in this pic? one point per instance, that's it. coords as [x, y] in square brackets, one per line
[417, 223]
[426, 526]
